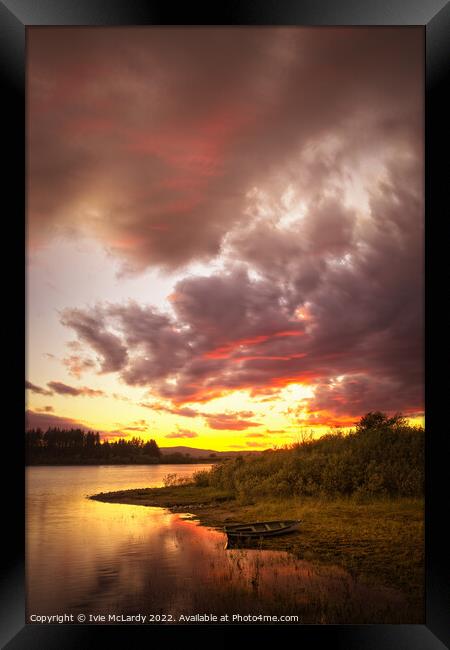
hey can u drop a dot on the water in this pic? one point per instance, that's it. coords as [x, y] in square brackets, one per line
[90, 557]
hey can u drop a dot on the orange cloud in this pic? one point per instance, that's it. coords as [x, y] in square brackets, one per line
[225, 351]
[182, 433]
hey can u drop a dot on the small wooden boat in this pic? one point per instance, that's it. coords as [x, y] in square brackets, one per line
[262, 528]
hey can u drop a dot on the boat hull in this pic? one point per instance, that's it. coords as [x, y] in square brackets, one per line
[261, 529]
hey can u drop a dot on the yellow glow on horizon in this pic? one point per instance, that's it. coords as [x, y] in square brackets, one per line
[280, 416]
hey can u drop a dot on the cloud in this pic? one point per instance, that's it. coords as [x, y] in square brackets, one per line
[227, 421]
[42, 419]
[137, 425]
[111, 352]
[358, 394]
[182, 433]
[34, 420]
[45, 409]
[292, 158]
[37, 389]
[115, 433]
[65, 389]
[183, 412]
[231, 421]
[360, 314]
[78, 365]
[121, 398]
[151, 141]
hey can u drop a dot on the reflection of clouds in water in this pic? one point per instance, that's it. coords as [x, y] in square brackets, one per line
[207, 578]
[88, 556]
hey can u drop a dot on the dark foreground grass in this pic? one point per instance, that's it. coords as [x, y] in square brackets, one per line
[379, 542]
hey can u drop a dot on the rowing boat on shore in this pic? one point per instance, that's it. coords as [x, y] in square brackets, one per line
[262, 528]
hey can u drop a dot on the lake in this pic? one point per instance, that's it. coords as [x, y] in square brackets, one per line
[92, 558]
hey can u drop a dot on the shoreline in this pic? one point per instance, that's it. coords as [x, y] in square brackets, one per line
[123, 463]
[380, 541]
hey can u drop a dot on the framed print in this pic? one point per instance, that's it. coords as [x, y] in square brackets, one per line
[231, 224]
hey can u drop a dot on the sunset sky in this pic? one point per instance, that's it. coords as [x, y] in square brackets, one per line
[224, 231]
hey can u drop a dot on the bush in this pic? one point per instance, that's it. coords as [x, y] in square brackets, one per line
[381, 457]
[201, 479]
[171, 480]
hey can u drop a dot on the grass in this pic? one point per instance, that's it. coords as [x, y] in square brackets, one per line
[379, 541]
[172, 497]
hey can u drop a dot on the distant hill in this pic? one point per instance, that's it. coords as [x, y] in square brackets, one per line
[204, 453]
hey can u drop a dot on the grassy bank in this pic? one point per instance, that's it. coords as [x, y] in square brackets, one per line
[359, 496]
[379, 541]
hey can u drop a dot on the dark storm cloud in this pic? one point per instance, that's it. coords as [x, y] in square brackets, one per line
[359, 394]
[162, 348]
[37, 389]
[229, 310]
[295, 153]
[362, 316]
[64, 389]
[151, 140]
[111, 351]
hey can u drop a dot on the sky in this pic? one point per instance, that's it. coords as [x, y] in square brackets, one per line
[225, 231]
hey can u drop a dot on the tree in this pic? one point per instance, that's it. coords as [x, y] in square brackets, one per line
[152, 449]
[75, 445]
[377, 419]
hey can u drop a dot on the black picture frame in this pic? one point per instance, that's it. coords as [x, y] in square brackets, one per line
[434, 16]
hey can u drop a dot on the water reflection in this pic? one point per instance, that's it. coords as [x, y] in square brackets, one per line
[86, 556]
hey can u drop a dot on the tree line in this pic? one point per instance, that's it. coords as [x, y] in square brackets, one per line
[74, 446]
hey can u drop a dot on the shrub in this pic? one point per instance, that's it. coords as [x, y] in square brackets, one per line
[381, 457]
[201, 479]
[171, 480]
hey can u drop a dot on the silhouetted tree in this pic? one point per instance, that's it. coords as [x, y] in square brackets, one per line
[77, 446]
[377, 419]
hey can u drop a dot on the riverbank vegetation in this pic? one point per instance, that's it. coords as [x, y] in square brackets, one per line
[359, 496]
[379, 540]
[381, 457]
